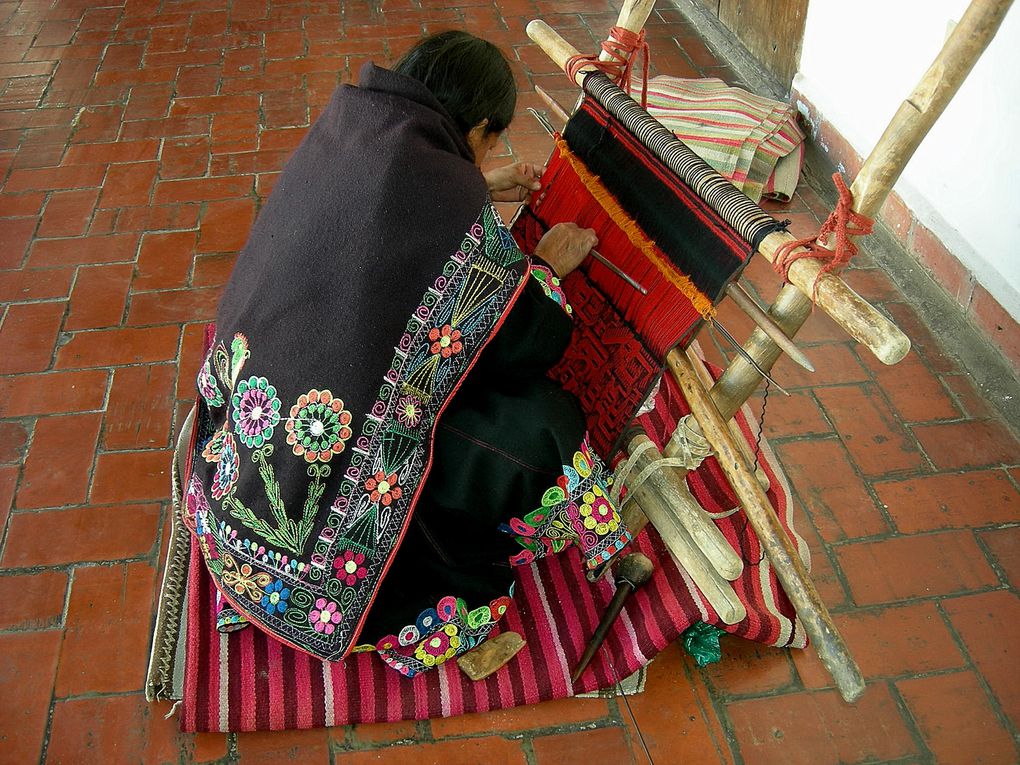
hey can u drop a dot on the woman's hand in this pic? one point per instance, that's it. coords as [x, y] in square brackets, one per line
[512, 183]
[565, 246]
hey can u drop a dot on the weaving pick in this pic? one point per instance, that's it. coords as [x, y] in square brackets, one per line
[633, 571]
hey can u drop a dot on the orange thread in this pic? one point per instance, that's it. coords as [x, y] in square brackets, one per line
[623, 46]
[843, 222]
[702, 304]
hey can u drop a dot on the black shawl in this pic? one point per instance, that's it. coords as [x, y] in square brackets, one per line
[374, 275]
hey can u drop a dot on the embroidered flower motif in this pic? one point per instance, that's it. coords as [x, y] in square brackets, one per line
[409, 411]
[243, 579]
[227, 467]
[349, 567]
[324, 617]
[597, 512]
[445, 341]
[384, 488]
[551, 287]
[318, 426]
[207, 384]
[256, 411]
[275, 599]
[214, 446]
[439, 647]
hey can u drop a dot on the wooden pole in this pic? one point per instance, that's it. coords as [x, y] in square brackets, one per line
[786, 562]
[632, 17]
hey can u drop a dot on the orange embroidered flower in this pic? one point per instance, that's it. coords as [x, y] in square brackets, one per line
[445, 340]
[384, 488]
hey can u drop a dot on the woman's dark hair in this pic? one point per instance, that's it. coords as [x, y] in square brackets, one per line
[467, 75]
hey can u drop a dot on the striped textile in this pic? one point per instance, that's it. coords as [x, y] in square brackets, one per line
[243, 681]
[733, 206]
[753, 141]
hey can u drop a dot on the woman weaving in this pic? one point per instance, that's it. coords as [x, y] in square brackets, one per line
[376, 438]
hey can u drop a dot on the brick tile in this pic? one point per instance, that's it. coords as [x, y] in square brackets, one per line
[190, 360]
[82, 534]
[956, 720]
[827, 580]
[177, 306]
[213, 270]
[749, 669]
[915, 567]
[202, 189]
[970, 401]
[888, 642]
[877, 443]
[140, 407]
[111, 729]
[26, 685]
[55, 178]
[208, 747]
[28, 334]
[872, 284]
[468, 751]
[13, 438]
[969, 444]
[99, 296]
[390, 733]
[675, 713]
[52, 393]
[59, 462]
[114, 152]
[917, 395]
[15, 234]
[113, 347]
[33, 601]
[118, 248]
[225, 225]
[108, 608]
[161, 218]
[584, 747]
[564, 711]
[1004, 545]
[132, 476]
[835, 364]
[817, 727]
[8, 482]
[197, 80]
[234, 132]
[35, 284]
[956, 500]
[184, 157]
[790, 416]
[284, 746]
[15, 206]
[949, 272]
[68, 213]
[836, 499]
[984, 622]
[997, 324]
[128, 185]
[164, 260]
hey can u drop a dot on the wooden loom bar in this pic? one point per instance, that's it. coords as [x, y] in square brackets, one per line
[633, 16]
[861, 320]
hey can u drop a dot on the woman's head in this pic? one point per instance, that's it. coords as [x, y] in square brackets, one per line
[471, 79]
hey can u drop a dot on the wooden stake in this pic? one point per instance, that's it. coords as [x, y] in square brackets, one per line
[747, 304]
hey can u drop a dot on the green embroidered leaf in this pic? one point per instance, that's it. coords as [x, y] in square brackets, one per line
[701, 641]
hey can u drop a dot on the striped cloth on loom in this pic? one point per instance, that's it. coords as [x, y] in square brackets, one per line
[751, 140]
[243, 681]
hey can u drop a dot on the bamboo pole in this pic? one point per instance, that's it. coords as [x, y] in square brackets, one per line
[632, 17]
[787, 564]
[848, 309]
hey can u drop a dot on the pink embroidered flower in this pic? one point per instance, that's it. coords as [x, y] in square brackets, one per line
[384, 488]
[349, 567]
[324, 616]
[445, 341]
[409, 411]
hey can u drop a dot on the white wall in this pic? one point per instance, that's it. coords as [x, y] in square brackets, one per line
[861, 59]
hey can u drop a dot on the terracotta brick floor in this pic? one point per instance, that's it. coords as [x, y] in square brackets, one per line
[137, 140]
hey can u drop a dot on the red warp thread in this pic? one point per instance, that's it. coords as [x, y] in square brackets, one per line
[624, 47]
[844, 222]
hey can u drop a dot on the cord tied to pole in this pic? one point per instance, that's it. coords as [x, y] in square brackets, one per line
[843, 223]
[623, 47]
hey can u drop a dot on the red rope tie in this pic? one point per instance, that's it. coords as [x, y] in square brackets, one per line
[844, 222]
[623, 46]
